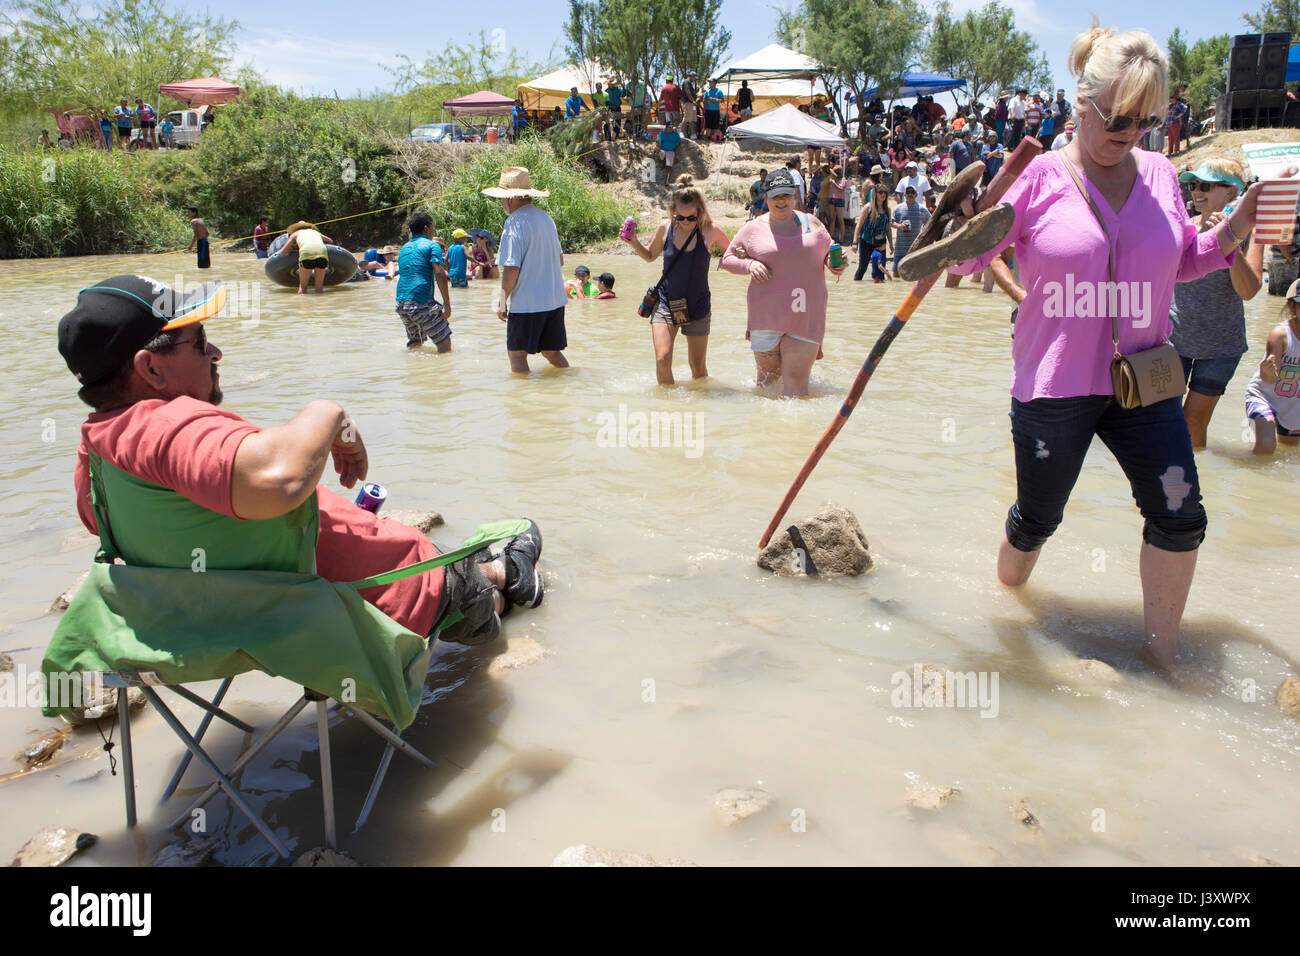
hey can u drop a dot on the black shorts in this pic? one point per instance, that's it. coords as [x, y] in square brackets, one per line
[124, 132]
[147, 124]
[711, 118]
[321, 263]
[534, 332]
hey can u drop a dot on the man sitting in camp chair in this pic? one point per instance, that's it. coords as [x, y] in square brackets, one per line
[146, 367]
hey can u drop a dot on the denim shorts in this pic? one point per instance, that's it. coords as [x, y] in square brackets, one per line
[1209, 376]
[1151, 444]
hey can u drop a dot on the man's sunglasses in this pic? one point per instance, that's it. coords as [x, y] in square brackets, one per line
[200, 342]
[1118, 124]
[692, 218]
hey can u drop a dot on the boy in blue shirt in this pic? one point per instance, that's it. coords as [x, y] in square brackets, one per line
[878, 273]
[419, 264]
[457, 259]
[668, 140]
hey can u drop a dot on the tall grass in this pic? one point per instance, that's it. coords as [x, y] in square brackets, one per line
[82, 202]
[584, 214]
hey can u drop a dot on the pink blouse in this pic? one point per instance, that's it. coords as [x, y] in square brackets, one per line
[793, 299]
[1063, 344]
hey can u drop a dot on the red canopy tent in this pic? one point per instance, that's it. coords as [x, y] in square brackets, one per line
[482, 103]
[205, 91]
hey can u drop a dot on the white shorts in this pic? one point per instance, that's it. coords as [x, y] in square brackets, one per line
[765, 340]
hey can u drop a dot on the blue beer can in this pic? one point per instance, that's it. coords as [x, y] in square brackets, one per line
[372, 496]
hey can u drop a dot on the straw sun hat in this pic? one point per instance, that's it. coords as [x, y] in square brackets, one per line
[514, 182]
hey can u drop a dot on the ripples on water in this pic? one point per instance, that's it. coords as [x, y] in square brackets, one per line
[676, 666]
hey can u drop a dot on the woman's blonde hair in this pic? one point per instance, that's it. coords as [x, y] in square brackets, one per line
[1228, 167]
[688, 194]
[1129, 63]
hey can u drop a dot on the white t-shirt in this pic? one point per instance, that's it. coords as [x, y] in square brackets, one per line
[917, 182]
[529, 240]
[798, 182]
[1018, 109]
[1061, 141]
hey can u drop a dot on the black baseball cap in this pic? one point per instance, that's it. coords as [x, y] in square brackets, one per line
[115, 318]
[781, 183]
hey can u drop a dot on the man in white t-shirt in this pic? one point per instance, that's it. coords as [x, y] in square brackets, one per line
[793, 167]
[1065, 136]
[913, 179]
[1018, 107]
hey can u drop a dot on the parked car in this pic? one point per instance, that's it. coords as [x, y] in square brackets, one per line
[438, 133]
[187, 126]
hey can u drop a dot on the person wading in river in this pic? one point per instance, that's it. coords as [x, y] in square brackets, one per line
[683, 302]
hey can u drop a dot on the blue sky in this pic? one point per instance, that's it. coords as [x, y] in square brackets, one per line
[329, 45]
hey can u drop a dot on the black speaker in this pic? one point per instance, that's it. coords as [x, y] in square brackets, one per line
[1292, 118]
[1273, 54]
[1270, 108]
[1243, 62]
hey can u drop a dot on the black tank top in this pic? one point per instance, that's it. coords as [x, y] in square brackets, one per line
[690, 279]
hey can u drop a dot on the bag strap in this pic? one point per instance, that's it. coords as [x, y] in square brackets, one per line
[1110, 252]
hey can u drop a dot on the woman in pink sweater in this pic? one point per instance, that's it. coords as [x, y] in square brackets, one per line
[1061, 388]
[784, 253]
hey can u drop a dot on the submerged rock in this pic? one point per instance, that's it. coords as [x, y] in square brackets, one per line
[53, 846]
[6, 663]
[583, 855]
[423, 521]
[830, 544]
[734, 804]
[323, 856]
[1020, 810]
[931, 798]
[519, 652]
[42, 749]
[1288, 697]
[193, 853]
[103, 702]
[63, 600]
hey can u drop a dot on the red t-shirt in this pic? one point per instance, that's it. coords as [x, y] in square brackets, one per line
[189, 446]
[670, 98]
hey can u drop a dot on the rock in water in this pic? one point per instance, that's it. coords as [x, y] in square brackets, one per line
[931, 798]
[1020, 810]
[324, 857]
[6, 663]
[1288, 697]
[192, 853]
[734, 804]
[583, 855]
[63, 600]
[423, 521]
[53, 846]
[827, 544]
[103, 704]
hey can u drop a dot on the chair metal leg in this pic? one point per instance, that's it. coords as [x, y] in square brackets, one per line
[198, 738]
[243, 761]
[390, 736]
[128, 763]
[235, 797]
[375, 784]
[326, 771]
[211, 708]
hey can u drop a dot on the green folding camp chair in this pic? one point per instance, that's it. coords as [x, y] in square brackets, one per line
[201, 596]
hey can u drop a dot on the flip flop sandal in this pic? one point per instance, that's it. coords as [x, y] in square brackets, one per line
[949, 204]
[977, 236]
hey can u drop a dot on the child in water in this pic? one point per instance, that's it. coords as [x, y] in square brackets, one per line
[878, 271]
[605, 283]
[1273, 395]
[581, 286]
[200, 239]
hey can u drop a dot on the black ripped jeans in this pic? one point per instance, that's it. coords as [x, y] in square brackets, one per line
[1151, 444]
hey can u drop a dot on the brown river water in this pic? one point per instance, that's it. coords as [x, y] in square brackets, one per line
[674, 665]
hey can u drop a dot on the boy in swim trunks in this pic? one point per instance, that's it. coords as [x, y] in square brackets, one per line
[419, 263]
[200, 240]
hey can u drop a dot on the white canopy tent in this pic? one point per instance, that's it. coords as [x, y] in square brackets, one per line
[776, 75]
[786, 125]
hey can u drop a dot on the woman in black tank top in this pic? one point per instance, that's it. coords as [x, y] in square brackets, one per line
[686, 239]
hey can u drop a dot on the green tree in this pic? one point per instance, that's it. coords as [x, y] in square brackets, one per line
[986, 50]
[56, 57]
[791, 29]
[1207, 72]
[694, 39]
[1178, 50]
[858, 42]
[1276, 16]
[629, 37]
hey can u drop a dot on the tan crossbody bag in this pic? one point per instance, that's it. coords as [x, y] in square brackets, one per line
[1142, 378]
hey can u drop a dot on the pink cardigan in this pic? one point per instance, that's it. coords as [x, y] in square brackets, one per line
[794, 298]
[1063, 334]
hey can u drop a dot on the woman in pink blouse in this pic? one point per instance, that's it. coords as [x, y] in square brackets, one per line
[1061, 389]
[784, 253]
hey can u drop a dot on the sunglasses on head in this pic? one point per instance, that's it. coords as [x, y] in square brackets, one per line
[691, 218]
[1118, 124]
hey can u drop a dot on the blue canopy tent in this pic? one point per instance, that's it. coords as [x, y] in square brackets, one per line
[1293, 65]
[921, 84]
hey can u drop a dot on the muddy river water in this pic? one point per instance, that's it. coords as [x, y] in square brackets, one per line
[674, 666]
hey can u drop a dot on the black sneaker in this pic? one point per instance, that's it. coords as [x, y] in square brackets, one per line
[523, 582]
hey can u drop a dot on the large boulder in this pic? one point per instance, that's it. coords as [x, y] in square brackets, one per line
[829, 544]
